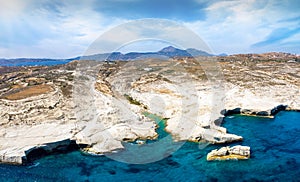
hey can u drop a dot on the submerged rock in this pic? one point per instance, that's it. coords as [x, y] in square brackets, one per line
[229, 153]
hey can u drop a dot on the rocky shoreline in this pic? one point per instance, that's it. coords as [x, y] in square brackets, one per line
[99, 105]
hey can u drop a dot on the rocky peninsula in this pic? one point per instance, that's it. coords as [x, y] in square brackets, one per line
[99, 105]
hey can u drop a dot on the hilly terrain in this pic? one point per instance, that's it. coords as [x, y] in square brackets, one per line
[165, 53]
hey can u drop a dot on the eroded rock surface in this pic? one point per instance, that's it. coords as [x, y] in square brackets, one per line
[229, 153]
[43, 118]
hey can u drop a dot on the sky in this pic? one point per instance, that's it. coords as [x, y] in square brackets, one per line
[67, 28]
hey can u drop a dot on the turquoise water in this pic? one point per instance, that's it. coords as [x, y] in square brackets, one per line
[275, 147]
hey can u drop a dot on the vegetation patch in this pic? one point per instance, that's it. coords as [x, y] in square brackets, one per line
[131, 100]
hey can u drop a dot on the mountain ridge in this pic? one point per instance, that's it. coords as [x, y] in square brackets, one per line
[164, 54]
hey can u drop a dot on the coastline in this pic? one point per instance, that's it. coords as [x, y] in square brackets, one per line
[69, 145]
[169, 90]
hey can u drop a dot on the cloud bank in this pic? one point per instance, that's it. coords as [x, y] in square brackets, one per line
[65, 28]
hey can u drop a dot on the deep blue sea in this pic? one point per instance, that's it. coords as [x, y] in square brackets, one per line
[275, 156]
[34, 63]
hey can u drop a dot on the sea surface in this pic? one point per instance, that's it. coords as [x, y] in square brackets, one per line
[33, 63]
[275, 156]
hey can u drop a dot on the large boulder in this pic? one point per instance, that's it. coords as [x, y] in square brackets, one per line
[229, 153]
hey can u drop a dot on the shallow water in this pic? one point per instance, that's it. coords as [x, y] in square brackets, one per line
[275, 147]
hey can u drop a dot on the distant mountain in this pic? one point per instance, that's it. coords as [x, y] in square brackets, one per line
[165, 53]
[223, 54]
[174, 52]
[196, 52]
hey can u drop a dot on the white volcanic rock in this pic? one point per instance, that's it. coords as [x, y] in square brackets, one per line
[229, 153]
[261, 85]
[105, 121]
[31, 111]
[189, 106]
[17, 140]
[33, 122]
[262, 98]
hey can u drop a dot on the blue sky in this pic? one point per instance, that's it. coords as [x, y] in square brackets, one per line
[66, 28]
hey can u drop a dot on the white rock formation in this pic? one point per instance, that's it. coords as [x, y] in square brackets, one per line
[229, 153]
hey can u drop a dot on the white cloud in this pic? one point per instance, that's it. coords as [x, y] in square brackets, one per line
[47, 33]
[13, 8]
[147, 30]
[233, 26]
[32, 28]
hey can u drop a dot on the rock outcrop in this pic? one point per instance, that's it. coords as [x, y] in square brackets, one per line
[229, 153]
[35, 124]
[19, 141]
